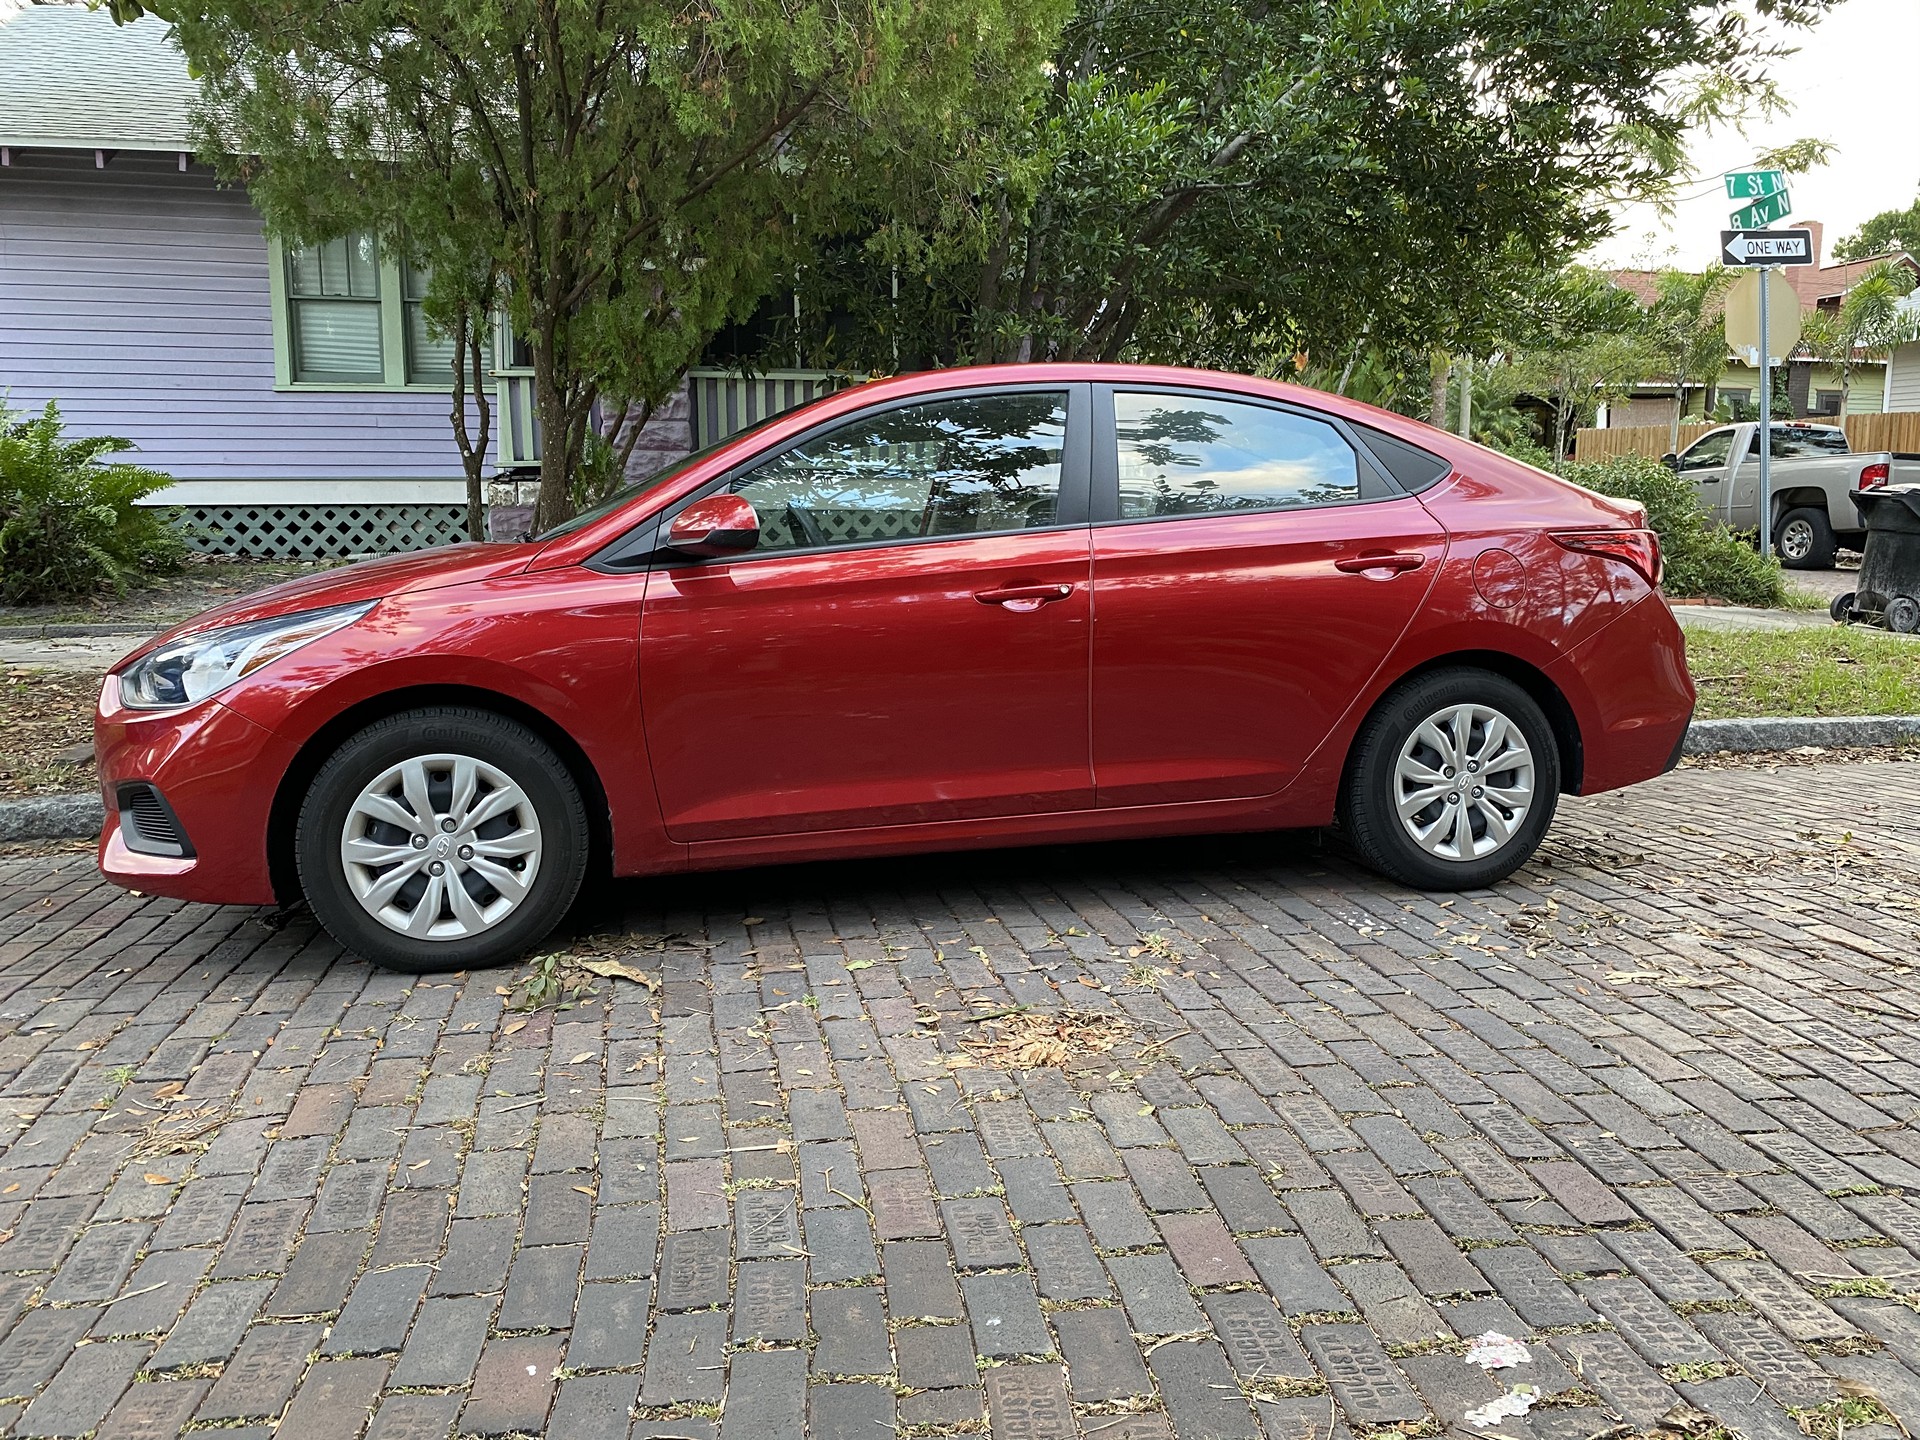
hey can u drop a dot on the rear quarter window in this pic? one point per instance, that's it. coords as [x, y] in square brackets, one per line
[1411, 467]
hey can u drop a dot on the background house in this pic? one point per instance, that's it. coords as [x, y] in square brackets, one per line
[149, 302]
[1813, 382]
[295, 394]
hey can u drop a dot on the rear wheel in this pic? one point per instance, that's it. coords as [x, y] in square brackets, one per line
[1454, 779]
[1804, 540]
[441, 839]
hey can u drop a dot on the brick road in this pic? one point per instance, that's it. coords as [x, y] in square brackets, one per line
[1649, 1109]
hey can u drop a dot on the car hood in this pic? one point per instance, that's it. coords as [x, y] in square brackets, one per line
[368, 580]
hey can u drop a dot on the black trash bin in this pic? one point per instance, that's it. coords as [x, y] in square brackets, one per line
[1889, 593]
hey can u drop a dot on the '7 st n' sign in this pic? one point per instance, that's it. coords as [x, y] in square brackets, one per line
[1766, 247]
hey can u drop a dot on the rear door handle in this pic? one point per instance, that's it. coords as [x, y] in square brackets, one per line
[1360, 564]
[1023, 597]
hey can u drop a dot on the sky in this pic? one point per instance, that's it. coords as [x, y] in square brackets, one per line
[1853, 81]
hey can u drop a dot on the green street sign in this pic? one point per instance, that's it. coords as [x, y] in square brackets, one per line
[1762, 212]
[1755, 184]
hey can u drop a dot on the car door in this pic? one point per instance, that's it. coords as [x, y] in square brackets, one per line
[1705, 464]
[1743, 504]
[907, 643]
[1252, 569]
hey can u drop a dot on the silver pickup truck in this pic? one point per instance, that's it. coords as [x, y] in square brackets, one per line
[1811, 475]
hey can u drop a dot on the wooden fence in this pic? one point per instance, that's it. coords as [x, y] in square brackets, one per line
[1898, 431]
[1650, 440]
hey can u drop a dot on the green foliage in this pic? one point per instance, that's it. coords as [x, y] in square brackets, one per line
[1686, 330]
[1579, 340]
[69, 524]
[1868, 325]
[1235, 185]
[1703, 557]
[1889, 230]
[633, 173]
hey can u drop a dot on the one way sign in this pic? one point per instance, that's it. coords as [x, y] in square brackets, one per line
[1766, 247]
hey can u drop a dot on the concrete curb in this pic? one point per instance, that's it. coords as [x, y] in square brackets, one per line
[78, 631]
[72, 817]
[1785, 732]
[51, 817]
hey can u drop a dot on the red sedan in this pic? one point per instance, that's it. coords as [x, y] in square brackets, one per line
[978, 607]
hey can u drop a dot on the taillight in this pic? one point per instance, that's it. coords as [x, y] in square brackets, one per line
[1872, 476]
[1638, 548]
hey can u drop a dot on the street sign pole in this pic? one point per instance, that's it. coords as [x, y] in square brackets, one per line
[1764, 438]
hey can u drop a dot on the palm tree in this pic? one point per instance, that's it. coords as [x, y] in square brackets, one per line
[1686, 329]
[1869, 325]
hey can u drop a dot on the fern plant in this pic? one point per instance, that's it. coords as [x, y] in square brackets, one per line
[70, 522]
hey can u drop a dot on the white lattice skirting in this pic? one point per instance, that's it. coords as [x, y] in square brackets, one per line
[320, 531]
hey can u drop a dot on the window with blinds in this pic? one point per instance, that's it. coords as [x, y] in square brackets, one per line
[333, 296]
[430, 356]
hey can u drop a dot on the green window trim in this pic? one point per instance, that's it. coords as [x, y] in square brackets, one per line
[394, 301]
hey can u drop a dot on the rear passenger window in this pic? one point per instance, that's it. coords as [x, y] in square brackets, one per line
[1198, 455]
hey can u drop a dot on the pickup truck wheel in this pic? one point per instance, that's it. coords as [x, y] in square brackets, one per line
[1804, 540]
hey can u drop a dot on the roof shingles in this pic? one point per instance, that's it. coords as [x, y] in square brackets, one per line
[71, 79]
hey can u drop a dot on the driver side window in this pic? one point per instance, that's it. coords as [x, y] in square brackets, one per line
[966, 466]
[1708, 453]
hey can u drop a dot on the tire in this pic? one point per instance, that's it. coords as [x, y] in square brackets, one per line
[1903, 615]
[1841, 608]
[1804, 540]
[1395, 747]
[360, 797]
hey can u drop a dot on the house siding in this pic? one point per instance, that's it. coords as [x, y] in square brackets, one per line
[1903, 390]
[137, 297]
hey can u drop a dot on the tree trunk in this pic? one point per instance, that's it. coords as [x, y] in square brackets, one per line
[1440, 382]
[558, 457]
[1679, 410]
[470, 349]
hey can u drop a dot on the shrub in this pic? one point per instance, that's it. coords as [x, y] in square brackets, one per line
[69, 525]
[1703, 557]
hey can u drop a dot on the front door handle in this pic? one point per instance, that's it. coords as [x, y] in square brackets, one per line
[1360, 564]
[1023, 597]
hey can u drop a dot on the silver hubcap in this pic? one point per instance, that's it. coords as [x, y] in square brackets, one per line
[441, 847]
[1464, 782]
[1796, 540]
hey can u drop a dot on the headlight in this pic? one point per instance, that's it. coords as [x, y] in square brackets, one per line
[196, 666]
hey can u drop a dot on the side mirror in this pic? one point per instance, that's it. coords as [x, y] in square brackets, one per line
[717, 525]
[1670, 460]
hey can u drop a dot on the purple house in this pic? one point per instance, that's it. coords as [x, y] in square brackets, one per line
[295, 395]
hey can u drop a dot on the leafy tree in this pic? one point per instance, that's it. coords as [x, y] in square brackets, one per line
[1584, 342]
[629, 173]
[1245, 183]
[1869, 324]
[1888, 231]
[1686, 332]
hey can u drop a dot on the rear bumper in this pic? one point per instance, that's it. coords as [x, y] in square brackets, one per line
[217, 771]
[1630, 691]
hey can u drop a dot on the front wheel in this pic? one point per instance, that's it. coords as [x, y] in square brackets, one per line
[1453, 781]
[441, 839]
[1804, 540]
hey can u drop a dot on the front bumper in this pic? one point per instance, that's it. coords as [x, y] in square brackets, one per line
[217, 770]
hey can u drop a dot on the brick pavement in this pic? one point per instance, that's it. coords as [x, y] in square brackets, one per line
[1650, 1108]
